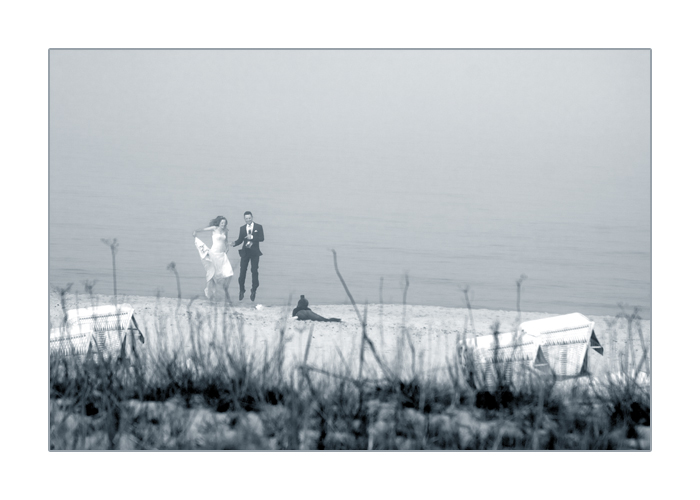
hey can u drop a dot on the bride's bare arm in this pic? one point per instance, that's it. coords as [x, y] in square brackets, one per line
[210, 228]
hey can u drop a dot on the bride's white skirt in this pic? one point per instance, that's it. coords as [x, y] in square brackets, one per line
[216, 264]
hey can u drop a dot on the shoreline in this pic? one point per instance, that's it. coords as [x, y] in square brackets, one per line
[85, 299]
[645, 312]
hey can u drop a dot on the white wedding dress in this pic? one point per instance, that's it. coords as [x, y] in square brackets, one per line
[216, 264]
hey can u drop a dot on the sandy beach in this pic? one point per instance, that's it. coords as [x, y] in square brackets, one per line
[432, 331]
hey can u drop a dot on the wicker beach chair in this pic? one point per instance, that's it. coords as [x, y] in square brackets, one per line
[558, 346]
[506, 356]
[566, 342]
[109, 329]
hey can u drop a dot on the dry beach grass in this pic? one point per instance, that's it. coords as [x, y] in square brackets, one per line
[215, 376]
[212, 376]
[434, 331]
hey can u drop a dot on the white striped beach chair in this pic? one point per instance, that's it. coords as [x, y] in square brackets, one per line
[566, 342]
[559, 345]
[107, 329]
[508, 356]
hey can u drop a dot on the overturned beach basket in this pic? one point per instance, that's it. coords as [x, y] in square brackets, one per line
[107, 329]
[566, 342]
[505, 356]
[558, 346]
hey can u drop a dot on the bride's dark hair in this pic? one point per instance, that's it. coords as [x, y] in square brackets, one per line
[217, 221]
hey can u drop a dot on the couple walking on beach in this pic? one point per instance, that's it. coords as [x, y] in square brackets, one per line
[215, 260]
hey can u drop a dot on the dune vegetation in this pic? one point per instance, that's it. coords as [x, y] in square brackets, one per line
[200, 383]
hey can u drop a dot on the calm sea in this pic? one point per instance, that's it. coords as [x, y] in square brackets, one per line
[443, 231]
[476, 204]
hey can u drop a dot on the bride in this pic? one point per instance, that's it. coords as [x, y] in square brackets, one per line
[214, 259]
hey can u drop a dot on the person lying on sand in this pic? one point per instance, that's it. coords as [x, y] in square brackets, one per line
[302, 311]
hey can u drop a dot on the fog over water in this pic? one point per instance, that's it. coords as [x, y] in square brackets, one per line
[460, 168]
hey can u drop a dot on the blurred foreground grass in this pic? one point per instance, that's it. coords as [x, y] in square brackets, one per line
[198, 384]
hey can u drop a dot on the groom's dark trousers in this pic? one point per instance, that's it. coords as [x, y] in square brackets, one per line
[253, 259]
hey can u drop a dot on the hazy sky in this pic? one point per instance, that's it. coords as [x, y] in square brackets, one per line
[522, 113]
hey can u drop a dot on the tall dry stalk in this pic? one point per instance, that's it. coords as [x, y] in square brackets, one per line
[63, 292]
[404, 328]
[467, 332]
[381, 312]
[381, 364]
[519, 283]
[171, 267]
[113, 245]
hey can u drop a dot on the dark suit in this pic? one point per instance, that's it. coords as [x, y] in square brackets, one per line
[251, 254]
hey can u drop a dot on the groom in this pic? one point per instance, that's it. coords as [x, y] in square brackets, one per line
[252, 234]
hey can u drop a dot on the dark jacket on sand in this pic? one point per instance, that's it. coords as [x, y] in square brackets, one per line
[302, 311]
